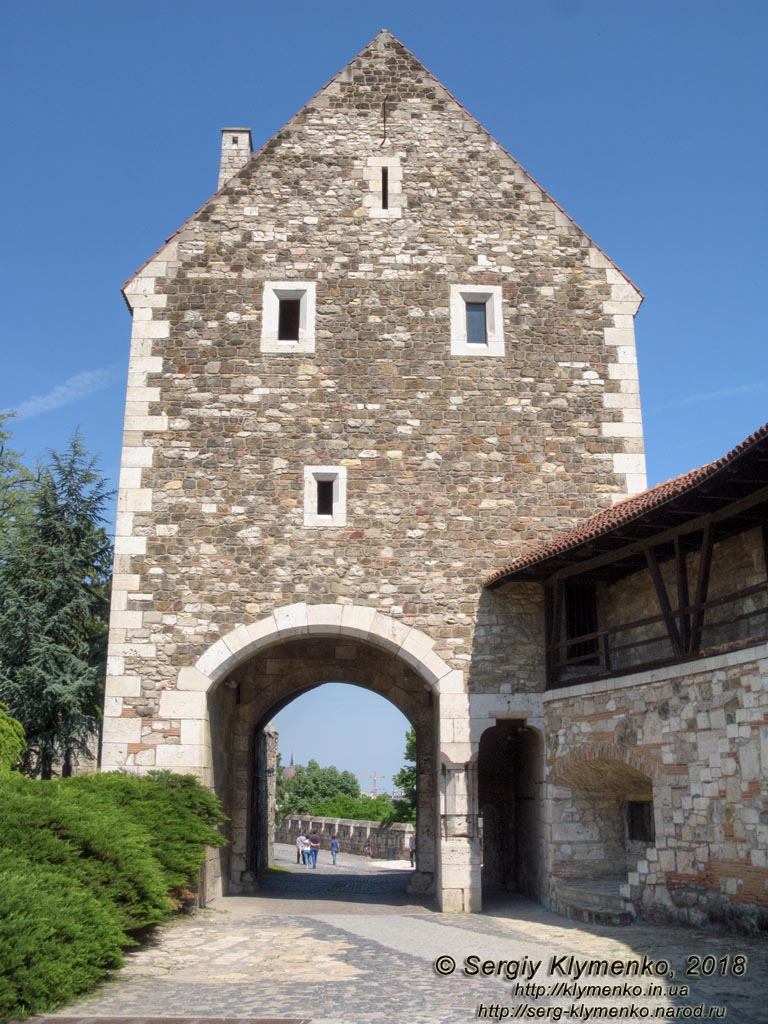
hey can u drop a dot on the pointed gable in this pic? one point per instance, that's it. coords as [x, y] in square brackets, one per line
[382, 89]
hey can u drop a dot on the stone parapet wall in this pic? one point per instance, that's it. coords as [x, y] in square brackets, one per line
[388, 842]
[695, 737]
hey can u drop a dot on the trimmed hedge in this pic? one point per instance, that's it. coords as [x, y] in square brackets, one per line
[84, 863]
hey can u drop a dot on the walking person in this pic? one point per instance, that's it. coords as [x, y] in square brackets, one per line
[314, 847]
[334, 848]
[305, 848]
[412, 848]
[299, 845]
[368, 852]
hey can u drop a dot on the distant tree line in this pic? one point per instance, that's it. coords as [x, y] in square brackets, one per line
[331, 793]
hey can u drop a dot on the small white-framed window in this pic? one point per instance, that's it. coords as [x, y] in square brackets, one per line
[477, 327]
[325, 495]
[385, 199]
[288, 316]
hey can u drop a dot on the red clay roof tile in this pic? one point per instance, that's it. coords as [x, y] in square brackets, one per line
[629, 509]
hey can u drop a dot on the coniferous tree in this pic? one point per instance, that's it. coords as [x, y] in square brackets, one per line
[15, 477]
[55, 563]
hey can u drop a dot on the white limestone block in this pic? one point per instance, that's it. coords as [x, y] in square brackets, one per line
[388, 632]
[623, 463]
[126, 619]
[154, 329]
[262, 631]
[239, 641]
[291, 620]
[433, 668]
[455, 753]
[123, 686]
[142, 423]
[452, 682]
[134, 650]
[142, 284]
[216, 661]
[185, 704]
[144, 364]
[130, 477]
[324, 618]
[122, 730]
[356, 620]
[415, 646]
[194, 732]
[178, 755]
[192, 679]
[124, 524]
[115, 665]
[113, 706]
[113, 756]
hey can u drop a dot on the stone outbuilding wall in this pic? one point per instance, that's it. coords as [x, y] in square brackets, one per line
[691, 738]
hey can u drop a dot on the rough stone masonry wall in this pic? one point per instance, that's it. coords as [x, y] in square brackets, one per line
[699, 732]
[453, 463]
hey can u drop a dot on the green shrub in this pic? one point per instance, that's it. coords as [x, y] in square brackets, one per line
[93, 842]
[57, 939]
[12, 741]
[84, 862]
[177, 815]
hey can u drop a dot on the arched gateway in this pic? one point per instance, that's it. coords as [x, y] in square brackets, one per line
[225, 699]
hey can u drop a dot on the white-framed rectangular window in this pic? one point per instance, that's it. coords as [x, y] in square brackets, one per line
[288, 316]
[325, 495]
[477, 327]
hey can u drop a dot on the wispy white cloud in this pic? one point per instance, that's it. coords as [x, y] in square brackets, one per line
[72, 390]
[755, 388]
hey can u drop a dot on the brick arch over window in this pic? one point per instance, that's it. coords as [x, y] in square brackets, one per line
[604, 766]
[296, 620]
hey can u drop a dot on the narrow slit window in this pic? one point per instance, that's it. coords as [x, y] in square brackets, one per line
[325, 497]
[289, 319]
[477, 328]
[385, 188]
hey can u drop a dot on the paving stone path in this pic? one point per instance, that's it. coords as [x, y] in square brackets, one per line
[346, 946]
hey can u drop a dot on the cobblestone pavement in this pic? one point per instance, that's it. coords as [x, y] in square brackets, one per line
[303, 949]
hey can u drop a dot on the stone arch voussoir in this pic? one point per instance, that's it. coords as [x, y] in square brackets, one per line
[565, 771]
[358, 622]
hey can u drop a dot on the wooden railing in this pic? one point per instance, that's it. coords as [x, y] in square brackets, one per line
[603, 653]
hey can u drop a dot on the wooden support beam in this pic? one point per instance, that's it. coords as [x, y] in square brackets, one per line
[549, 596]
[702, 587]
[663, 598]
[684, 619]
[558, 610]
[694, 525]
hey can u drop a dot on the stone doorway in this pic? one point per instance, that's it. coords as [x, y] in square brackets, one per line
[245, 701]
[510, 784]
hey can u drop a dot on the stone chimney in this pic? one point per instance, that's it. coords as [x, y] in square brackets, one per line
[235, 152]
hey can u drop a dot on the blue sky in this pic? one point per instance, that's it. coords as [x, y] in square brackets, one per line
[645, 121]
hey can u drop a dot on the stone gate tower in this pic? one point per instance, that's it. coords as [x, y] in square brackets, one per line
[378, 361]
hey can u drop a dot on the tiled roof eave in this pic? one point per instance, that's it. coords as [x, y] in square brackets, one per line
[607, 522]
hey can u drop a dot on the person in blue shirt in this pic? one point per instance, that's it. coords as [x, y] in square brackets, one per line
[334, 848]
